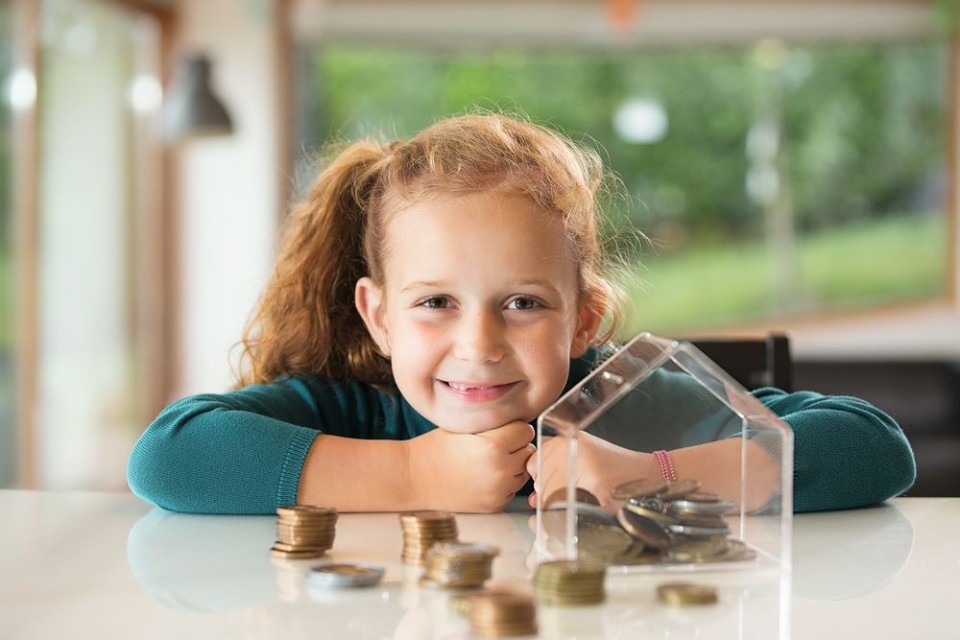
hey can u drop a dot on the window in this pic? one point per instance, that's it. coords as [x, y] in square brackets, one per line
[91, 199]
[8, 83]
[773, 179]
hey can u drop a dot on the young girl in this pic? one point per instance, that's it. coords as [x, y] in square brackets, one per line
[455, 281]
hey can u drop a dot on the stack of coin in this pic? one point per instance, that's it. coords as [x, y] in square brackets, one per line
[569, 582]
[497, 615]
[422, 529]
[458, 564]
[304, 531]
[460, 601]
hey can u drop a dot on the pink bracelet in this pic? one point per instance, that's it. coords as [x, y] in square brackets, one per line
[667, 470]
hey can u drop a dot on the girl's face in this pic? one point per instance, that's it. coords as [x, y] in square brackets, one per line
[479, 310]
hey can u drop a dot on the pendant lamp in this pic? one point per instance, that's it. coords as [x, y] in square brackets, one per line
[192, 109]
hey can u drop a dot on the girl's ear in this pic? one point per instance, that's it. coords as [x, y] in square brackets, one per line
[588, 323]
[368, 297]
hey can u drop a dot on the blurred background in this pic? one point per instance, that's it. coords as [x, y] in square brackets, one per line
[793, 163]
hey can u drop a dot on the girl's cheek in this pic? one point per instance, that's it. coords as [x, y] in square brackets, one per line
[423, 331]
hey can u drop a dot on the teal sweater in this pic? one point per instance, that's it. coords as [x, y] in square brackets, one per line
[242, 452]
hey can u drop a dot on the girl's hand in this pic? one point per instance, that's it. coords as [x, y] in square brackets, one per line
[469, 472]
[601, 466]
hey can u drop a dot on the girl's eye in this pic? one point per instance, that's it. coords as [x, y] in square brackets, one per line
[523, 303]
[434, 302]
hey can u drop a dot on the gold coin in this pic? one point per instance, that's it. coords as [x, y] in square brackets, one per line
[581, 495]
[308, 554]
[638, 487]
[305, 511]
[682, 593]
[602, 543]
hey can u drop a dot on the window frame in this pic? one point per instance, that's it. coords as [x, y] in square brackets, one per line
[154, 309]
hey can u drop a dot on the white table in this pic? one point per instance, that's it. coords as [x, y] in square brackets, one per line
[106, 565]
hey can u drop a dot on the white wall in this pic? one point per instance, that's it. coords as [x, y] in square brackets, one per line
[228, 187]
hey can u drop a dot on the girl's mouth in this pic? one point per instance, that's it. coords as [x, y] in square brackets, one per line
[477, 392]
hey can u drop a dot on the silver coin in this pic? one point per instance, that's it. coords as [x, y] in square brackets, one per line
[696, 520]
[648, 502]
[586, 512]
[647, 531]
[658, 517]
[345, 575]
[687, 530]
[684, 505]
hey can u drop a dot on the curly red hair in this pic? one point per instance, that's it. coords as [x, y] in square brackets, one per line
[305, 322]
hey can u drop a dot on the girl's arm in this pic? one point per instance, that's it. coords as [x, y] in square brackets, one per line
[239, 452]
[437, 470]
[313, 442]
[602, 466]
[847, 454]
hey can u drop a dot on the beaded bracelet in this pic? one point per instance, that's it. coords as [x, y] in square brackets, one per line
[667, 470]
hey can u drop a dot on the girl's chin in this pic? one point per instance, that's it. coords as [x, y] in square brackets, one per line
[469, 429]
[474, 427]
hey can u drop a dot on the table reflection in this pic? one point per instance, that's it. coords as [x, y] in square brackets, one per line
[222, 563]
[847, 554]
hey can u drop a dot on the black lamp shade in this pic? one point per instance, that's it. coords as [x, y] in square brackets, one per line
[192, 109]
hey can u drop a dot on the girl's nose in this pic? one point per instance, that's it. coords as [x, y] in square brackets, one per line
[480, 338]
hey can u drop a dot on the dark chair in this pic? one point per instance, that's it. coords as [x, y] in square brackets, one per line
[763, 361]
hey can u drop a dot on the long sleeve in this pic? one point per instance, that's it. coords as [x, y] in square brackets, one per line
[847, 453]
[242, 452]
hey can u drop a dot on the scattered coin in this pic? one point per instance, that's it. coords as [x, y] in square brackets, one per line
[688, 504]
[602, 543]
[650, 532]
[657, 516]
[684, 593]
[696, 520]
[584, 512]
[678, 489]
[638, 487]
[582, 496]
[345, 575]
[696, 532]
[670, 522]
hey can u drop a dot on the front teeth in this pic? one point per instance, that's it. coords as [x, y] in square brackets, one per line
[463, 387]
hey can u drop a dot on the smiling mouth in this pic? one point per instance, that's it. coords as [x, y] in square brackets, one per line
[460, 386]
[477, 392]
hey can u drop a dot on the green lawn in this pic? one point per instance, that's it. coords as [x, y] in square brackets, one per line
[6, 301]
[879, 261]
[898, 258]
